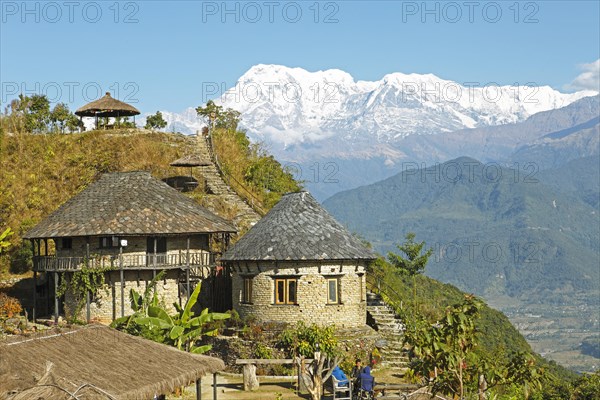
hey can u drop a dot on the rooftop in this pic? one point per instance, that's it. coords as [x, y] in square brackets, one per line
[298, 228]
[128, 203]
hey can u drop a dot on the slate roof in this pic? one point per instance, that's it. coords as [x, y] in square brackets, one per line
[128, 203]
[297, 228]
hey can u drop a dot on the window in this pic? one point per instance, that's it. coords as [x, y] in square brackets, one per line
[107, 242]
[285, 291]
[66, 243]
[247, 290]
[332, 291]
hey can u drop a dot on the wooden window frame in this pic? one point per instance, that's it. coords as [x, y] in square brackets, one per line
[247, 289]
[337, 290]
[112, 242]
[286, 291]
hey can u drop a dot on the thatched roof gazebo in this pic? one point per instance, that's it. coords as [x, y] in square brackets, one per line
[96, 362]
[107, 107]
[191, 161]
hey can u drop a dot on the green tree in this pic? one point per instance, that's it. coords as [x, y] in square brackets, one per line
[217, 117]
[414, 261]
[587, 387]
[37, 112]
[445, 353]
[59, 116]
[155, 121]
[315, 342]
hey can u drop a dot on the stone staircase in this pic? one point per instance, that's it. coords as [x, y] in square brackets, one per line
[390, 327]
[215, 183]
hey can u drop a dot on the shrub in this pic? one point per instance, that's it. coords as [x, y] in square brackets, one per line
[21, 261]
[9, 306]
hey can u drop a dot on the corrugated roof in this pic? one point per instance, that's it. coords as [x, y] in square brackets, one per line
[298, 228]
[128, 203]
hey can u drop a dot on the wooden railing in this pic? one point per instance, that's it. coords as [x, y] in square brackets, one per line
[125, 261]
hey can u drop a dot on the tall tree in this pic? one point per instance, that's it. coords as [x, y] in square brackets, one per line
[414, 260]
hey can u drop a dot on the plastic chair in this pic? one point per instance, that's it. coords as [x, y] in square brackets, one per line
[341, 392]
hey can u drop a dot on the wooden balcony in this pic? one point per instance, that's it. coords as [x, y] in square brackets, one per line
[193, 259]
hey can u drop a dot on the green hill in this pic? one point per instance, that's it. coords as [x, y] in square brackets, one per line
[503, 234]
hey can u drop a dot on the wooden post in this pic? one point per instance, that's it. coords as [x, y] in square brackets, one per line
[87, 307]
[34, 295]
[56, 298]
[199, 389]
[250, 379]
[155, 246]
[45, 247]
[122, 281]
[187, 267]
[215, 386]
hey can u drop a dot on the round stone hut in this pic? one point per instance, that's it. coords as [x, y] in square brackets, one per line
[299, 264]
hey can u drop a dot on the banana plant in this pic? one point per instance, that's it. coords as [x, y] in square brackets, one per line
[183, 329]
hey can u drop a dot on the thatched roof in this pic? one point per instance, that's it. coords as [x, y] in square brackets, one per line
[105, 363]
[297, 229]
[191, 160]
[128, 204]
[107, 107]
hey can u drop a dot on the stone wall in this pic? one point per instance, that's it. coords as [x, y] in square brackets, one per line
[312, 300]
[106, 306]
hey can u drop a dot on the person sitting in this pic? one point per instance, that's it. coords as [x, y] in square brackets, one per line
[367, 382]
[340, 376]
[356, 370]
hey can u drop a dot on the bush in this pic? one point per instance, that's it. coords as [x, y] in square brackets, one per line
[9, 306]
[21, 261]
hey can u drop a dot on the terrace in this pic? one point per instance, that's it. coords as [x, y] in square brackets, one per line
[183, 260]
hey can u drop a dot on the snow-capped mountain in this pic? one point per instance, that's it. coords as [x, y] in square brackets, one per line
[290, 106]
[355, 132]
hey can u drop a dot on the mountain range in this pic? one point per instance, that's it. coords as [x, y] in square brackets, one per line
[336, 133]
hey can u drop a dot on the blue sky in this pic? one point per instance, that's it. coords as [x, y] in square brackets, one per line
[159, 53]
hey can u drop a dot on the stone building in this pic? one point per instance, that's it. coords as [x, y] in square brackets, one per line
[299, 263]
[135, 225]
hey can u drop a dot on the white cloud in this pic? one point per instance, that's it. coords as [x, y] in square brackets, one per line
[589, 79]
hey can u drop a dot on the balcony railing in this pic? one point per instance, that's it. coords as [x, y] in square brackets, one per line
[127, 261]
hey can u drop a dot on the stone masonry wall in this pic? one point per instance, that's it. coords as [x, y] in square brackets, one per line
[107, 305]
[311, 305]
